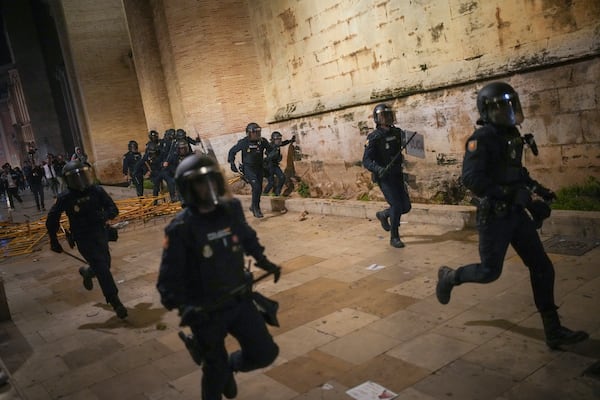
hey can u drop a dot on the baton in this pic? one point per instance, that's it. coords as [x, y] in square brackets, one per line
[75, 257]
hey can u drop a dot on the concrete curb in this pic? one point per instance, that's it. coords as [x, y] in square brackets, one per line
[582, 224]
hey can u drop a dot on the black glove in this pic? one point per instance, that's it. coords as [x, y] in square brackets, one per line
[264, 263]
[522, 198]
[545, 193]
[382, 172]
[54, 245]
[234, 168]
[191, 315]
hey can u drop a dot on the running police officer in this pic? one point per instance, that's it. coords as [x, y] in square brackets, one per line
[130, 160]
[272, 163]
[493, 171]
[88, 208]
[383, 157]
[202, 263]
[253, 148]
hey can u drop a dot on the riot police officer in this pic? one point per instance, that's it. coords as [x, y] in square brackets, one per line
[253, 148]
[493, 171]
[130, 160]
[88, 208]
[202, 265]
[151, 165]
[383, 157]
[272, 163]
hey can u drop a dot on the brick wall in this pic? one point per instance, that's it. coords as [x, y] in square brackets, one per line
[211, 66]
[104, 69]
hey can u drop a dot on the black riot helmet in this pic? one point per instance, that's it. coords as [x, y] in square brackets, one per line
[276, 137]
[180, 134]
[182, 148]
[499, 104]
[132, 146]
[253, 131]
[153, 136]
[384, 115]
[169, 135]
[79, 176]
[199, 180]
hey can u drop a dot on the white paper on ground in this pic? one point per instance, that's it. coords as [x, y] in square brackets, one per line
[370, 391]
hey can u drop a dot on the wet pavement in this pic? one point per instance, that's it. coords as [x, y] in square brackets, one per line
[352, 309]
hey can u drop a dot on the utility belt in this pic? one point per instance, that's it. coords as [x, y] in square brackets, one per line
[489, 209]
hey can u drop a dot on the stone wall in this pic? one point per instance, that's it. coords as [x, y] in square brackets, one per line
[106, 79]
[317, 69]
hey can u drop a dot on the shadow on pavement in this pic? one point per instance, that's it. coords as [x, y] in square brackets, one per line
[140, 316]
[14, 348]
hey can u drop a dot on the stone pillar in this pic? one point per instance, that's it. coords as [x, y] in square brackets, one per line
[148, 67]
[100, 51]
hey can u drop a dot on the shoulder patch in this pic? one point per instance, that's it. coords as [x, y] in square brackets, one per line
[472, 145]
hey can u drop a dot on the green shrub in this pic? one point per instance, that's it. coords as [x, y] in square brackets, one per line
[148, 184]
[303, 189]
[584, 197]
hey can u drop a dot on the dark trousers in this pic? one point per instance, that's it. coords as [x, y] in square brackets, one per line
[138, 182]
[395, 194]
[94, 248]
[257, 348]
[275, 171]
[518, 230]
[38, 194]
[254, 175]
[13, 192]
[157, 179]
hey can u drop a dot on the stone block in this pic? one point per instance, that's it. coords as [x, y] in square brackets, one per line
[578, 98]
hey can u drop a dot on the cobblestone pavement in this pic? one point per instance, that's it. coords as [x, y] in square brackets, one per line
[342, 323]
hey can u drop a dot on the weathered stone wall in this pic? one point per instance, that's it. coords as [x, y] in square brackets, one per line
[112, 107]
[317, 68]
[146, 56]
[328, 63]
[210, 64]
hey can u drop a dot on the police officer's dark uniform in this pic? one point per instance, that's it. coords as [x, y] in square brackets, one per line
[181, 136]
[35, 177]
[88, 208]
[202, 261]
[383, 157]
[130, 160]
[151, 164]
[253, 148]
[493, 171]
[272, 163]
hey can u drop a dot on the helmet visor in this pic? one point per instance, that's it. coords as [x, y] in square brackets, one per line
[504, 109]
[254, 133]
[385, 116]
[204, 186]
[79, 179]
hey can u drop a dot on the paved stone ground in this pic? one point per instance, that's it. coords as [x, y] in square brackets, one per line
[341, 324]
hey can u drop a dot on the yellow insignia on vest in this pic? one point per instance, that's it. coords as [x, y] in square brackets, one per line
[367, 143]
[472, 145]
[207, 251]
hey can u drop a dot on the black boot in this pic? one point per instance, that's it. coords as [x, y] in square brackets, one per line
[119, 308]
[257, 213]
[87, 274]
[446, 281]
[230, 389]
[556, 334]
[396, 242]
[385, 224]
